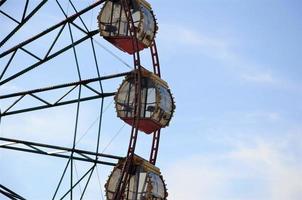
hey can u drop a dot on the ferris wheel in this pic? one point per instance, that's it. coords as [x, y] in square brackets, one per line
[56, 55]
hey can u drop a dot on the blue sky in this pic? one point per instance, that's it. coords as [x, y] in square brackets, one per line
[234, 68]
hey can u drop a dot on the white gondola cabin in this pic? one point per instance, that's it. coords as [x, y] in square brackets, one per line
[146, 182]
[157, 105]
[113, 24]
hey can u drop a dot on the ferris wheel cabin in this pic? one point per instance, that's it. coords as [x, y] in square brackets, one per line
[157, 105]
[114, 27]
[145, 181]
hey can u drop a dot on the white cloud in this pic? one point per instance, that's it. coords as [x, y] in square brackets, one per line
[208, 45]
[263, 77]
[214, 47]
[262, 116]
[282, 174]
[223, 50]
[193, 178]
[252, 169]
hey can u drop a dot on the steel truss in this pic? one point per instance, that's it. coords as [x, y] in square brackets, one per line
[73, 153]
[24, 18]
[18, 97]
[57, 151]
[10, 194]
[125, 177]
[49, 55]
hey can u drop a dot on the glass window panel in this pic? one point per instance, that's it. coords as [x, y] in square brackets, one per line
[158, 189]
[148, 97]
[113, 180]
[148, 26]
[165, 100]
[144, 96]
[125, 100]
[151, 102]
[142, 184]
[113, 20]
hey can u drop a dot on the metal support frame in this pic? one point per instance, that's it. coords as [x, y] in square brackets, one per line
[154, 147]
[58, 151]
[19, 96]
[23, 20]
[74, 153]
[10, 194]
[155, 59]
[156, 134]
[45, 59]
[48, 56]
[2, 2]
[57, 103]
[125, 178]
